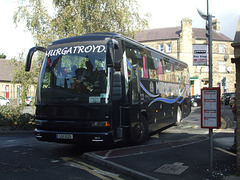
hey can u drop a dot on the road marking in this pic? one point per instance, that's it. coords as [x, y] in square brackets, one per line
[105, 175]
[225, 151]
[176, 168]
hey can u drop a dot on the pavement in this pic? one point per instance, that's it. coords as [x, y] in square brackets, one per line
[185, 159]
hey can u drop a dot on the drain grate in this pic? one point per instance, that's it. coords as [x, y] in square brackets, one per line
[176, 168]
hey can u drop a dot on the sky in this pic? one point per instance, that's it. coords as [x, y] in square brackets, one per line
[15, 40]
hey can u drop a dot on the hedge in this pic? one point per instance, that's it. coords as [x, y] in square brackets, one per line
[13, 116]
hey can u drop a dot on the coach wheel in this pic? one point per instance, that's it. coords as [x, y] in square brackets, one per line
[140, 130]
[179, 115]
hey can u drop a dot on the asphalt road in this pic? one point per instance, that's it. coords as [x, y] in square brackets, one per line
[23, 157]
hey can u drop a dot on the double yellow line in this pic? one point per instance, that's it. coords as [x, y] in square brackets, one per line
[105, 175]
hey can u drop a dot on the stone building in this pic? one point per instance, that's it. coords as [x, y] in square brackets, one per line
[178, 42]
[7, 88]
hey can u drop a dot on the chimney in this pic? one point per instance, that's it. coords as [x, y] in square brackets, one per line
[186, 24]
[216, 25]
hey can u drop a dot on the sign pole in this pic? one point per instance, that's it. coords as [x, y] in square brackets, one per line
[210, 114]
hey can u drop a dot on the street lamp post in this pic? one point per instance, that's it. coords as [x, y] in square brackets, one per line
[208, 18]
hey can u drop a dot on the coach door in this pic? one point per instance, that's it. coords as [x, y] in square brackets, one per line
[135, 85]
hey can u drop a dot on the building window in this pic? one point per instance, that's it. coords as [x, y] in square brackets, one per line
[3, 88]
[221, 48]
[222, 66]
[161, 47]
[168, 48]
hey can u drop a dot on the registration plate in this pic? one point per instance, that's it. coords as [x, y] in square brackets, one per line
[64, 136]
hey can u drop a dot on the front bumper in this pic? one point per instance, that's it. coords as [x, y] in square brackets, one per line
[75, 137]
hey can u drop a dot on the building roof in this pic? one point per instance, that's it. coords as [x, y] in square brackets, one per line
[158, 34]
[174, 33]
[6, 70]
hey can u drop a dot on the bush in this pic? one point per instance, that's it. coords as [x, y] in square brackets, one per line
[12, 116]
[8, 115]
[25, 120]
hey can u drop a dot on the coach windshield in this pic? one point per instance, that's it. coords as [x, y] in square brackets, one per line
[74, 74]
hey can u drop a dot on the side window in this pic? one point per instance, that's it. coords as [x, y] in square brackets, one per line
[160, 70]
[136, 56]
[177, 73]
[167, 70]
[184, 75]
[151, 67]
[173, 76]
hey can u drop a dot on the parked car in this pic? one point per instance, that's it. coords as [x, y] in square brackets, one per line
[29, 100]
[226, 97]
[232, 100]
[4, 101]
[196, 100]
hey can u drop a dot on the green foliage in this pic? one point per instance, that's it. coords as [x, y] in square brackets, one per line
[24, 78]
[25, 120]
[9, 115]
[78, 17]
[70, 18]
[12, 116]
[3, 56]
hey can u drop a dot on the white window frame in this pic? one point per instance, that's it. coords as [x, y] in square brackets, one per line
[222, 66]
[222, 48]
[161, 47]
[168, 48]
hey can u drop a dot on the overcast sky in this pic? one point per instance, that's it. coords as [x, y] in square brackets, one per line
[164, 13]
[169, 13]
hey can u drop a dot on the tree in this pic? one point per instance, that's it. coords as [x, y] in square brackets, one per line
[77, 17]
[3, 56]
[73, 18]
[24, 78]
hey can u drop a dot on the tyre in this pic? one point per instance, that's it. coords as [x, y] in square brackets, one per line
[139, 131]
[178, 115]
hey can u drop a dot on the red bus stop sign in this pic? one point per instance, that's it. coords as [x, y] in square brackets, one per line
[210, 108]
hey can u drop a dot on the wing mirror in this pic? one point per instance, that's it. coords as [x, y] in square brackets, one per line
[30, 55]
[111, 46]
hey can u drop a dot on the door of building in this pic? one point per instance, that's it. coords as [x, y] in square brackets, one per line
[7, 91]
